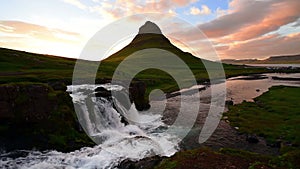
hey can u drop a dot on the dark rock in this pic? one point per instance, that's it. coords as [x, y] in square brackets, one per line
[229, 102]
[257, 90]
[146, 163]
[252, 139]
[58, 85]
[36, 116]
[137, 95]
[102, 92]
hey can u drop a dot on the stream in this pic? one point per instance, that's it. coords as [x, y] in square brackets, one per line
[146, 135]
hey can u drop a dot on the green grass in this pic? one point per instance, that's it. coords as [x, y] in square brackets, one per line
[275, 115]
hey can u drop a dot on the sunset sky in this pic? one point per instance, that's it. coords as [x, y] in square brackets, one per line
[238, 29]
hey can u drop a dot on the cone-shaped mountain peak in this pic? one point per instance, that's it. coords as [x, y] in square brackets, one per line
[149, 27]
[151, 36]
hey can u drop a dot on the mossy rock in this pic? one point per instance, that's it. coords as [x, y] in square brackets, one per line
[36, 116]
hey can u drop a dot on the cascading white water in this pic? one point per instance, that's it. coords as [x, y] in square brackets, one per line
[142, 137]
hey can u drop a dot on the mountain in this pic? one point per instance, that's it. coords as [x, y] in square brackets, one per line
[289, 59]
[20, 66]
[150, 36]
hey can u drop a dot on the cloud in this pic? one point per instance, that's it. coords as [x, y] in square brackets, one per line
[249, 27]
[262, 47]
[76, 3]
[122, 8]
[12, 28]
[203, 11]
[183, 2]
[297, 24]
[253, 18]
[221, 12]
[24, 36]
[237, 19]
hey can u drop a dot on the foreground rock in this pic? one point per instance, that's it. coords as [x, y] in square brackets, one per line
[33, 115]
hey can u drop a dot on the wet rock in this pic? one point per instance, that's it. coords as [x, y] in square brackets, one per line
[36, 116]
[58, 85]
[252, 138]
[257, 90]
[147, 163]
[229, 102]
[137, 95]
[102, 92]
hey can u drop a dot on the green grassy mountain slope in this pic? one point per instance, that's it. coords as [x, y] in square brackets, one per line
[150, 36]
[19, 66]
[23, 66]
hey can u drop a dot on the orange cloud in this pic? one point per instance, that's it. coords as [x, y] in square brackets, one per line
[249, 29]
[123, 8]
[280, 14]
[250, 19]
[263, 47]
[36, 38]
[13, 28]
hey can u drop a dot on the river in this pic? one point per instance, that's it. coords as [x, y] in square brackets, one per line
[135, 141]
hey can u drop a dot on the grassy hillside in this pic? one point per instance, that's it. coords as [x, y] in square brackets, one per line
[159, 79]
[24, 66]
[20, 66]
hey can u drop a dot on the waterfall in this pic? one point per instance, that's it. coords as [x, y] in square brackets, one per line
[141, 136]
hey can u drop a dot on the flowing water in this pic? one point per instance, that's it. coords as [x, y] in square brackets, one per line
[142, 137]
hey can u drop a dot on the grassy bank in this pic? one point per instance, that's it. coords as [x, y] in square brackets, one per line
[274, 115]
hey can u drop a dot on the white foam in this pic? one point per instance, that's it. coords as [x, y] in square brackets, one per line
[117, 141]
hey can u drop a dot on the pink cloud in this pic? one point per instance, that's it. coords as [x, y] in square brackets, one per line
[123, 8]
[263, 47]
[249, 19]
[17, 28]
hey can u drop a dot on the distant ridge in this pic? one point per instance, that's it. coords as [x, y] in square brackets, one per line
[287, 59]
